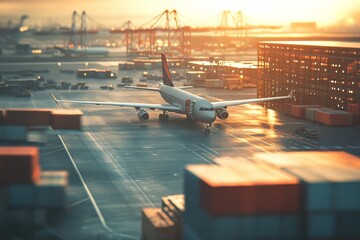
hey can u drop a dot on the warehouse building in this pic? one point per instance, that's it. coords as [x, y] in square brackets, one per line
[226, 74]
[320, 72]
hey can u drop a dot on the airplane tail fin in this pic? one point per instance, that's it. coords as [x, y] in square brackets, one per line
[167, 79]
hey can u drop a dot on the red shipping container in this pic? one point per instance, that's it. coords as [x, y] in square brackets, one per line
[66, 119]
[353, 108]
[287, 108]
[19, 165]
[28, 117]
[227, 191]
[2, 120]
[298, 111]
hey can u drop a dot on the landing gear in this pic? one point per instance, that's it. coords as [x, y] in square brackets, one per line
[207, 129]
[164, 117]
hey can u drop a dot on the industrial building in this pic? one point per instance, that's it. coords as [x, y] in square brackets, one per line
[232, 75]
[320, 72]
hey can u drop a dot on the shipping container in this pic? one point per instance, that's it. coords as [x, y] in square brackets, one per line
[214, 83]
[2, 117]
[355, 110]
[287, 108]
[298, 111]
[19, 165]
[155, 225]
[224, 190]
[174, 206]
[13, 133]
[28, 117]
[331, 191]
[237, 227]
[332, 117]
[310, 113]
[66, 119]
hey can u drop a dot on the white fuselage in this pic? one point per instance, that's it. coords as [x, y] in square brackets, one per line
[202, 109]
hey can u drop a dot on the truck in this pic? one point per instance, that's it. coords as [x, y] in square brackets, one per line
[306, 132]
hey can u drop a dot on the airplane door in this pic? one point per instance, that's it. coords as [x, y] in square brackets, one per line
[189, 109]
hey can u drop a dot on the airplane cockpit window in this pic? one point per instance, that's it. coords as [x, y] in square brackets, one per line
[206, 109]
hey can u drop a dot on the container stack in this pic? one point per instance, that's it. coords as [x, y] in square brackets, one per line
[310, 113]
[28, 117]
[165, 222]
[26, 193]
[155, 224]
[330, 183]
[174, 206]
[355, 110]
[287, 108]
[66, 119]
[214, 83]
[247, 202]
[1, 117]
[332, 117]
[298, 111]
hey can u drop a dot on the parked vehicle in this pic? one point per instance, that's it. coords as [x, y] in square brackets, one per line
[307, 132]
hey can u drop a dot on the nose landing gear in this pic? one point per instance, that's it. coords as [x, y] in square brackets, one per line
[207, 129]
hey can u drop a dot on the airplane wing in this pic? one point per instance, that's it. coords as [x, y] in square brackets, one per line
[166, 107]
[246, 101]
[185, 87]
[144, 88]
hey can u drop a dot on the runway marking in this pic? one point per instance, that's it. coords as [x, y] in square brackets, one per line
[54, 151]
[197, 154]
[121, 168]
[77, 203]
[212, 150]
[91, 197]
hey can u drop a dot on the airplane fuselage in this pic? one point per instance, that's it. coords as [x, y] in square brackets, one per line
[201, 109]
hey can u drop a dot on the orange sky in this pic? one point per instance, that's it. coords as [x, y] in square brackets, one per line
[196, 12]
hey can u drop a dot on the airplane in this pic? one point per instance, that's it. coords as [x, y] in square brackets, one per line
[179, 101]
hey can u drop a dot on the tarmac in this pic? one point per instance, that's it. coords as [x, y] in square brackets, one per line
[118, 164]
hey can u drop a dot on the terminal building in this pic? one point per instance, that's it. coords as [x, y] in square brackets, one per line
[320, 72]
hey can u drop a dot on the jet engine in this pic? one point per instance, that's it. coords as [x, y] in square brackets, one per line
[143, 115]
[222, 113]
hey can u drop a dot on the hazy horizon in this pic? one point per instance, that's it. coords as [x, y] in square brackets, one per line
[113, 13]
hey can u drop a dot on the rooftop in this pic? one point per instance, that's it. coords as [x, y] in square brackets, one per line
[318, 43]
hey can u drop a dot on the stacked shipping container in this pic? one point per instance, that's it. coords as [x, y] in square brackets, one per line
[355, 110]
[26, 193]
[66, 119]
[320, 72]
[57, 119]
[330, 188]
[321, 115]
[165, 222]
[28, 117]
[332, 117]
[256, 202]
[294, 195]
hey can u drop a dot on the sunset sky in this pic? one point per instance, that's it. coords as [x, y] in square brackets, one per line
[195, 12]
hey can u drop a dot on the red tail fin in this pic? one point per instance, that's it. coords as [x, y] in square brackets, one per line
[167, 79]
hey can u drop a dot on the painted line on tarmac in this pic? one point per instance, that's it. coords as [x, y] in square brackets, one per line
[91, 197]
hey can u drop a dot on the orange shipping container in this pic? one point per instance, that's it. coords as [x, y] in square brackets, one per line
[353, 108]
[298, 111]
[28, 117]
[155, 225]
[287, 108]
[224, 190]
[2, 117]
[66, 119]
[19, 165]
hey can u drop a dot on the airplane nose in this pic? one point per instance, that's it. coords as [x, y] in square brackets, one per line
[207, 117]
